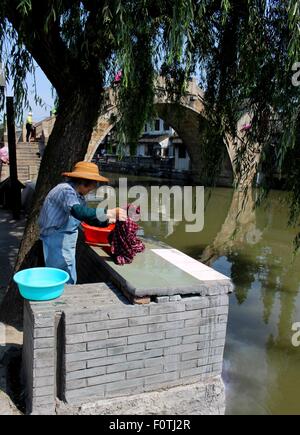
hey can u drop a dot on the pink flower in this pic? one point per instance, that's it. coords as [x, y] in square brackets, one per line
[246, 127]
[118, 76]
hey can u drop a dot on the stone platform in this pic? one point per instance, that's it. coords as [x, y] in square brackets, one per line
[92, 346]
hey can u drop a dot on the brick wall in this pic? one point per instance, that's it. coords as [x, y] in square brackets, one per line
[80, 353]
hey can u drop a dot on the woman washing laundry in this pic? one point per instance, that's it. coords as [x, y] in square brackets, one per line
[63, 211]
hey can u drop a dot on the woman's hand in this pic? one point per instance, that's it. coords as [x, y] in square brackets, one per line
[116, 214]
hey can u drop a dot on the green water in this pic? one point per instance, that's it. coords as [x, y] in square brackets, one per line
[255, 249]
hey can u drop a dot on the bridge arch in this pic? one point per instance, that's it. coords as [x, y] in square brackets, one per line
[186, 118]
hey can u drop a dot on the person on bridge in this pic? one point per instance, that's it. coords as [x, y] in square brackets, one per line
[63, 211]
[29, 126]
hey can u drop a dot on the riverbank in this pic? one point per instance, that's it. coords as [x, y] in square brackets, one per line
[11, 233]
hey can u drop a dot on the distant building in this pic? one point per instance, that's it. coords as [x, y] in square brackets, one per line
[159, 142]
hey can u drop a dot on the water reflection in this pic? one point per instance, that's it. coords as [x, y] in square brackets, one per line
[255, 248]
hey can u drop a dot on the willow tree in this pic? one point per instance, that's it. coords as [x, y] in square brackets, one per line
[243, 50]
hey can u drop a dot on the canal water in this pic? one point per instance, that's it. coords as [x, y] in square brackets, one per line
[254, 247]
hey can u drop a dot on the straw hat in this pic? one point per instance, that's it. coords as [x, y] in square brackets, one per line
[87, 171]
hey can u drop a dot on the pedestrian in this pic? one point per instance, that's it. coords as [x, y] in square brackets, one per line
[29, 126]
[63, 211]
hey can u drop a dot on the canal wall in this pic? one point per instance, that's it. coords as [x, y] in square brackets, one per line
[94, 351]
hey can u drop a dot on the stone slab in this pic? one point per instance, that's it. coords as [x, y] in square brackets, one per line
[163, 271]
[205, 398]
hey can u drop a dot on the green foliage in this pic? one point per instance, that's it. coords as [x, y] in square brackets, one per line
[243, 51]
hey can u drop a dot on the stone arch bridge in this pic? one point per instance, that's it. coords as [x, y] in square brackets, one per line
[186, 120]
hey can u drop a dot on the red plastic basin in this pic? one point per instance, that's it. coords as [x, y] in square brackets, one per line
[97, 236]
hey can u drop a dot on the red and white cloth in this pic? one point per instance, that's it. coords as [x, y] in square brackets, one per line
[125, 244]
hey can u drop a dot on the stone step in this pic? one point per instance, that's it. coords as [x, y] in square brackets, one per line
[28, 161]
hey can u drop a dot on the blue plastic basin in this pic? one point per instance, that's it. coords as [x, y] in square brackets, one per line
[41, 284]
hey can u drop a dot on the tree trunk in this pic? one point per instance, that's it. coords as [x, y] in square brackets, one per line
[67, 145]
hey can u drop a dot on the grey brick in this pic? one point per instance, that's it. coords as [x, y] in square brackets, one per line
[223, 318]
[43, 332]
[216, 351]
[106, 361]
[88, 373]
[144, 355]
[107, 324]
[166, 326]
[175, 298]
[122, 367]
[128, 312]
[161, 378]
[43, 321]
[160, 361]
[180, 349]
[210, 360]
[43, 391]
[127, 391]
[88, 316]
[126, 349]
[108, 343]
[199, 304]
[89, 336]
[147, 320]
[212, 336]
[215, 359]
[182, 332]
[162, 299]
[218, 367]
[43, 382]
[76, 329]
[44, 354]
[127, 332]
[73, 348]
[191, 339]
[77, 396]
[146, 337]
[44, 363]
[217, 343]
[74, 366]
[45, 400]
[43, 371]
[195, 354]
[163, 343]
[44, 410]
[171, 307]
[184, 315]
[106, 379]
[189, 323]
[218, 301]
[220, 327]
[122, 385]
[209, 312]
[194, 371]
[82, 356]
[75, 384]
[44, 343]
[214, 290]
[208, 329]
[141, 373]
